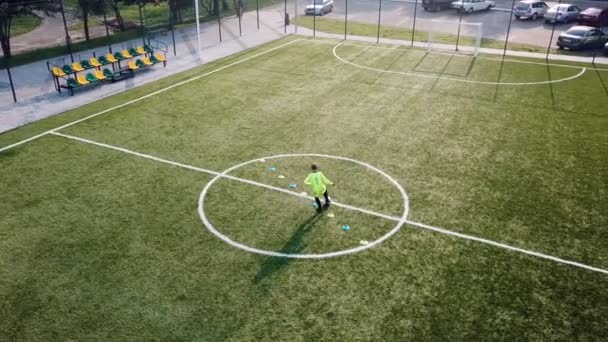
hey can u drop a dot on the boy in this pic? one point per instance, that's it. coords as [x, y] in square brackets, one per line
[317, 182]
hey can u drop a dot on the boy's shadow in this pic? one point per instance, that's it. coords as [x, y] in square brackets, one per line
[293, 246]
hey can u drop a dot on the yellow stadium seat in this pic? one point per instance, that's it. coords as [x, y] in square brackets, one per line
[81, 80]
[58, 72]
[77, 67]
[146, 61]
[110, 57]
[125, 53]
[160, 57]
[140, 50]
[99, 74]
[94, 62]
[132, 65]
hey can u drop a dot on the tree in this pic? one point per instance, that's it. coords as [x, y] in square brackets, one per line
[88, 7]
[114, 5]
[10, 9]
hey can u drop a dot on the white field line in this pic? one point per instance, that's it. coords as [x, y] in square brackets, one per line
[451, 78]
[215, 173]
[145, 96]
[397, 47]
[505, 246]
[397, 219]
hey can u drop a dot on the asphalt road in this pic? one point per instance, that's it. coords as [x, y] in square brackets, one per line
[495, 23]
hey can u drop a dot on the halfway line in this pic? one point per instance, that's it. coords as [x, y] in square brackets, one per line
[369, 212]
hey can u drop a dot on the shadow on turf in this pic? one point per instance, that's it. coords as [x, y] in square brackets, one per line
[293, 246]
[7, 154]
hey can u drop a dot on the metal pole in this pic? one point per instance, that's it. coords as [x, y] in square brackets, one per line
[314, 19]
[257, 11]
[459, 26]
[141, 22]
[172, 25]
[105, 23]
[240, 11]
[552, 33]
[67, 35]
[379, 12]
[219, 25]
[414, 25]
[198, 27]
[504, 50]
[10, 78]
[345, 19]
[285, 17]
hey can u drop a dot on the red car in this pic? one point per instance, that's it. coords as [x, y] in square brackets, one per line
[592, 16]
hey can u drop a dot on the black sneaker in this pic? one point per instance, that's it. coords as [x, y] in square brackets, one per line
[319, 210]
[326, 205]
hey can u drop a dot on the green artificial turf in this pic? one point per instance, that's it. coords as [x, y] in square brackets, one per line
[98, 244]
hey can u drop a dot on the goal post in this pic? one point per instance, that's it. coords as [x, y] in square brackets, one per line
[453, 36]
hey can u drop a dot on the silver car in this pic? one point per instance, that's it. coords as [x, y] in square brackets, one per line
[319, 7]
[530, 9]
[562, 13]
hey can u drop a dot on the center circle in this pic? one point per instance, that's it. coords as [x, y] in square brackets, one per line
[214, 231]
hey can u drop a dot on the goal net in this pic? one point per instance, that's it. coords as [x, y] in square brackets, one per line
[453, 36]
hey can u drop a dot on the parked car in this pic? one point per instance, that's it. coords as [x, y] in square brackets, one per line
[471, 6]
[562, 13]
[606, 48]
[582, 37]
[436, 5]
[319, 7]
[592, 16]
[530, 9]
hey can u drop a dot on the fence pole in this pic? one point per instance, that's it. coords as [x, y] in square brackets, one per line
[414, 25]
[504, 50]
[67, 35]
[379, 12]
[10, 77]
[552, 33]
[459, 26]
[314, 19]
[257, 11]
[219, 24]
[140, 5]
[105, 23]
[172, 25]
[239, 13]
[285, 17]
[345, 19]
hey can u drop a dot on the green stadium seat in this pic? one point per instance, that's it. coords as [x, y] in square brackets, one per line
[119, 56]
[134, 52]
[86, 64]
[148, 49]
[103, 60]
[72, 83]
[91, 78]
[140, 63]
[108, 73]
[153, 59]
[68, 69]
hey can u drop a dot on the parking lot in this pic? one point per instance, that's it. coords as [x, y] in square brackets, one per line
[495, 22]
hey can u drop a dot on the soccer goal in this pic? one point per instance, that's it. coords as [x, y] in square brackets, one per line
[453, 36]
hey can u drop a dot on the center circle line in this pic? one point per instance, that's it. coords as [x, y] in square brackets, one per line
[400, 221]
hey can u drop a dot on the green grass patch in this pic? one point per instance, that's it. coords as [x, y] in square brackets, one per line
[24, 24]
[97, 244]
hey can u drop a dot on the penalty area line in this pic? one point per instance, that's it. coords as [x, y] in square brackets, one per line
[369, 212]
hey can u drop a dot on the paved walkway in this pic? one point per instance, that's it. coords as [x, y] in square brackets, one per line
[38, 99]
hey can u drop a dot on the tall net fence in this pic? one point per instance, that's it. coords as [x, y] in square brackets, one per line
[500, 27]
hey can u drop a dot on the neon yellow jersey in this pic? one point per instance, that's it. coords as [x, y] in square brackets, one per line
[317, 183]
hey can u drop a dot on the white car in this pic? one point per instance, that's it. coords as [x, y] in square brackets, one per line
[319, 7]
[471, 6]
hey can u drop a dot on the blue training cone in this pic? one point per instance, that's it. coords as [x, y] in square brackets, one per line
[345, 228]
[315, 205]
[272, 169]
[293, 185]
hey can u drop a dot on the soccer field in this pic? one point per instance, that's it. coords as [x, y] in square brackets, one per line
[474, 188]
